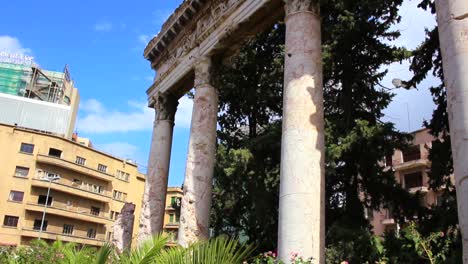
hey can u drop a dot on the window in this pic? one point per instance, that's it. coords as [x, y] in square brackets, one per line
[80, 161]
[109, 236]
[43, 198]
[119, 196]
[175, 202]
[389, 160]
[21, 171]
[92, 187]
[91, 233]
[439, 200]
[27, 148]
[102, 168]
[95, 210]
[114, 215]
[122, 175]
[412, 153]
[413, 180]
[67, 229]
[172, 236]
[37, 224]
[16, 196]
[171, 218]
[55, 153]
[10, 221]
[76, 182]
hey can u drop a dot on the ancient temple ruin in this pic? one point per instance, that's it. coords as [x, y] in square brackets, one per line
[197, 36]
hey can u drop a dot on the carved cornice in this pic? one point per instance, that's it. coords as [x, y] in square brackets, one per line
[294, 6]
[190, 25]
[203, 72]
[166, 106]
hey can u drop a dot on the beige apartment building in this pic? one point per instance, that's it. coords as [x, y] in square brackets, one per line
[88, 189]
[172, 213]
[411, 169]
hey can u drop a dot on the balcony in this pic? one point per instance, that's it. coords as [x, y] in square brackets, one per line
[74, 213]
[412, 164]
[98, 241]
[63, 163]
[174, 225]
[72, 189]
[421, 189]
[388, 221]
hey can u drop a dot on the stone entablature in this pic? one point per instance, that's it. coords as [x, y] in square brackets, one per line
[197, 29]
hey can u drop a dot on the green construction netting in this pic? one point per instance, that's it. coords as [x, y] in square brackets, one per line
[14, 78]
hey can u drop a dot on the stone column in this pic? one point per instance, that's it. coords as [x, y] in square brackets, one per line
[154, 197]
[196, 202]
[123, 228]
[302, 184]
[452, 18]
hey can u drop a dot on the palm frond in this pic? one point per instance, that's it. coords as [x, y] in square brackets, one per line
[103, 254]
[146, 253]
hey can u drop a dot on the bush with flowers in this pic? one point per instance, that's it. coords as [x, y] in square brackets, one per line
[271, 257]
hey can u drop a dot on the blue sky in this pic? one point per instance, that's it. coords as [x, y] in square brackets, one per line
[103, 42]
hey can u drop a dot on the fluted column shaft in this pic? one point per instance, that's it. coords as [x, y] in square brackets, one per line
[452, 18]
[302, 185]
[196, 202]
[154, 197]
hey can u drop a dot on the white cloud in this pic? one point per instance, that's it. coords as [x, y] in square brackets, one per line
[92, 105]
[13, 45]
[98, 119]
[103, 26]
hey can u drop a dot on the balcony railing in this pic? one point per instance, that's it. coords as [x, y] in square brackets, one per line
[78, 190]
[68, 211]
[97, 241]
[71, 165]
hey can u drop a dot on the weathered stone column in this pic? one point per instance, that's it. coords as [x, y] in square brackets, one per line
[123, 228]
[452, 18]
[302, 184]
[196, 202]
[154, 197]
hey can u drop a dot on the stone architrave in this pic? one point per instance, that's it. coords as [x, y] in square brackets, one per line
[154, 197]
[196, 202]
[452, 19]
[302, 184]
[123, 228]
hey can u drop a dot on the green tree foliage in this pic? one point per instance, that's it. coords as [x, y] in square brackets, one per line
[442, 217]
[215, 251]
[356, 37]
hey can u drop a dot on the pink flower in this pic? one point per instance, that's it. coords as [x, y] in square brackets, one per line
[441, 234]
[293, 255]
[344, 262]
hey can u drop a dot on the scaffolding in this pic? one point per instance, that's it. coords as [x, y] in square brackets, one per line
[32, 82]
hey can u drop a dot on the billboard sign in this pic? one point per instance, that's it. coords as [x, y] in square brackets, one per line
[16, 58]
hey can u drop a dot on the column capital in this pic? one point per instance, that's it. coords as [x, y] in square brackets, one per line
[293, 6]
[203, 72]
[165, 106]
